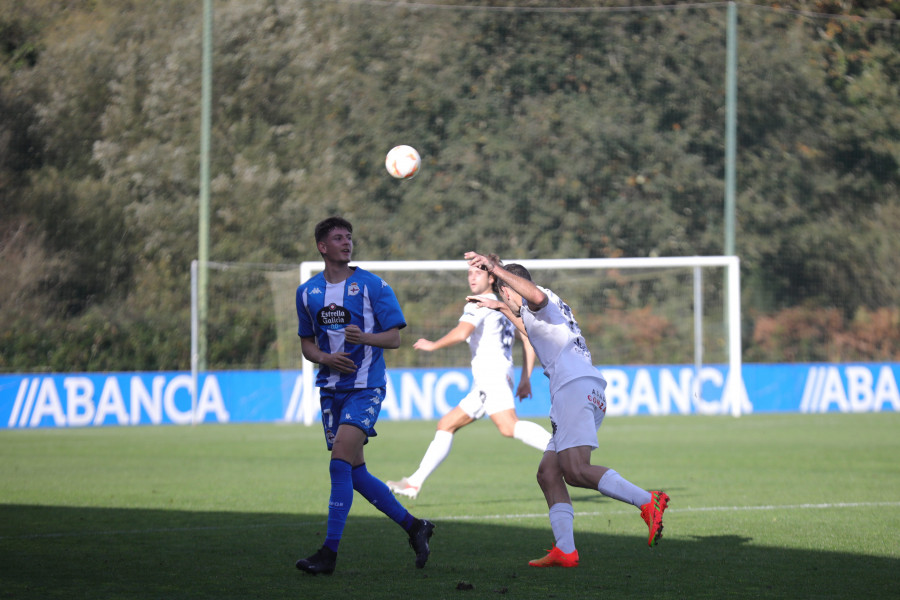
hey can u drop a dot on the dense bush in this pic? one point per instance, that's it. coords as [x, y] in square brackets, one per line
[820, 334]
[546, 133]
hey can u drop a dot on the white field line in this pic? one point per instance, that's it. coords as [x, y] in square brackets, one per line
[678, 510]
[507, 517]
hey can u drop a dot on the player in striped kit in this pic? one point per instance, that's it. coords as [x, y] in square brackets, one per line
[490, 336]
[347, 318]
[577, 407]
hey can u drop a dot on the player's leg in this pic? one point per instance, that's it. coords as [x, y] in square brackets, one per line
[379, 495]
[569, 446]
[500, 405]
[576, 419]
[437, 451]
[550, 478]
[346, 448]
[575, 464]
[454, 420]
[528, 432]
[579, 472]
[360, 413]
[576, 467]
[562, 514]
[506, 420]
[576, 438]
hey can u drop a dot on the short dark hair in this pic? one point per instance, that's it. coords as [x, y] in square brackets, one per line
[330, 224]
[515, 269]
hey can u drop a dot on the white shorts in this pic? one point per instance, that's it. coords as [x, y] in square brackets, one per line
[488, 397]
[576, 413]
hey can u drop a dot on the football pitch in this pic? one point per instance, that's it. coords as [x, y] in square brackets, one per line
[774, 506]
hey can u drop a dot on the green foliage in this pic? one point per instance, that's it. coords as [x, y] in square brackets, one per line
[544, 133]
[814, 334]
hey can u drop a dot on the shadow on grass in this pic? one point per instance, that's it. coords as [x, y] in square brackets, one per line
[55, 552]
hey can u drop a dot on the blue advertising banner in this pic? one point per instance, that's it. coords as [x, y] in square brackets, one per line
[162, 398]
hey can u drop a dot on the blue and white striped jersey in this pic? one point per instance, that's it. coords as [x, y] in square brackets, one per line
[325, 309]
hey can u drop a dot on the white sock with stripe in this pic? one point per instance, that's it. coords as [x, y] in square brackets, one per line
[532, 434]
[615, 486]
[562, 522]
[437, 451]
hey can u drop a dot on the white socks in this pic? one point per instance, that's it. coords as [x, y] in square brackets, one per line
[615, 486]
[437, 451]
[532, 434]
[562, 519]
[562, 515]
[525, 431]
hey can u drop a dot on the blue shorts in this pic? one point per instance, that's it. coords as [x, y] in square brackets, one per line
[359, 408]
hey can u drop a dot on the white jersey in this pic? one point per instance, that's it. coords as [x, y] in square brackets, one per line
[491, 342]
[557, 342]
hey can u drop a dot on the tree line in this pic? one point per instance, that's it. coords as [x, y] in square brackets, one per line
[569, 129]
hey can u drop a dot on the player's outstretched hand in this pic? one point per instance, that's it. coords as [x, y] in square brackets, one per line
[485, 302]
[423, 344]
[479, 260]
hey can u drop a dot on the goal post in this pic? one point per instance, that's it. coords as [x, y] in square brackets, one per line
[734, 395]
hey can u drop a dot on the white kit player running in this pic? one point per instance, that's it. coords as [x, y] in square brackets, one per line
[490, 336]
[577, 408]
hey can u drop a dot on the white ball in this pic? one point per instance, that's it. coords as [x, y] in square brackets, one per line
[402, 162]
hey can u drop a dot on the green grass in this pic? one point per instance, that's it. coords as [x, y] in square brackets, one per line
[777, 506]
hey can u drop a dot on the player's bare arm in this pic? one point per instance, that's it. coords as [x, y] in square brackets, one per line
[389, 339]
[456, 335]
[527, 289]
[528, 358]
[482, 301]
[485, 302]
[339, 361]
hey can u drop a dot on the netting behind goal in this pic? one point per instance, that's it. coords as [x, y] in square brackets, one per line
[633, 311]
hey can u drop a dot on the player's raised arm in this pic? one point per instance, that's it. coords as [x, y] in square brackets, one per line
[527, 289]
[456, 335]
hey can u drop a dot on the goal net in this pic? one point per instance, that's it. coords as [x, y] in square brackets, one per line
[632, 311]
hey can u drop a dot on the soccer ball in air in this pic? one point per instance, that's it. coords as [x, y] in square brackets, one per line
[402, 162]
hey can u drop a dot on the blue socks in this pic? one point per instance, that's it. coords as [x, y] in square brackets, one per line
[339, 503]
[379, 495]
[345, 479]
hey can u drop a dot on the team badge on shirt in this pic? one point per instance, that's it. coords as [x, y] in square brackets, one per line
[333, 316]
[353, 288]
